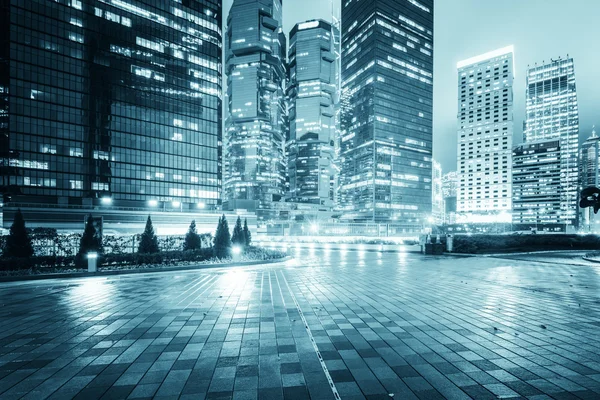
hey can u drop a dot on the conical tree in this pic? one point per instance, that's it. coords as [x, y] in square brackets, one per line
[192, 239]
[247, 234]
[90, 242]
[222, 245]
[237, 237]
[148, 241]
[18, 243]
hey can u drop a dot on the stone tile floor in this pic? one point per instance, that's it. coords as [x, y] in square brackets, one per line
[351, 325]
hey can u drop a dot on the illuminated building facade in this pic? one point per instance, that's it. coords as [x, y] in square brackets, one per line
[387, 107]
[552, 116]
[313, 88]
[437, 194]
[485, 136]
[449, 193]
[111, 102]
[536, 186]
[256, 117]
[589, 175]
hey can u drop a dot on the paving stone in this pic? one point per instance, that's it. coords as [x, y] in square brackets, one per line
[409, 325]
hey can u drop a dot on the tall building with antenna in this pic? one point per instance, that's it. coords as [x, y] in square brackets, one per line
[546, 186]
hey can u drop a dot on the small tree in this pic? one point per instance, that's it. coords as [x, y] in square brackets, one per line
[90, 242]
[192, 239]
[148, 241]
[238, 237]
[247, 234]
[18, 242]
[222, 245]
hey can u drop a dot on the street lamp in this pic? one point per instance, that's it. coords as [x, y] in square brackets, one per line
[107, 201]
[152, 203]
[314, 228]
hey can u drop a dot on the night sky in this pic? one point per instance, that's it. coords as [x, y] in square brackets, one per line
[539, 30]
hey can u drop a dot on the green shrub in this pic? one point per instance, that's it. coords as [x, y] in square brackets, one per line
[18, 242]
[192, 239]
[148, 240]
[477, 244]
[222, 245]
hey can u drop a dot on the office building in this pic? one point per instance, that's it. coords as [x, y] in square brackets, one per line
[552, 116]
[485, 135]
[312, 93]
[449, 194]
[110, 103]
[589, 175]
[437, 201]
[256, 116]
[386, 120]
[536, 184]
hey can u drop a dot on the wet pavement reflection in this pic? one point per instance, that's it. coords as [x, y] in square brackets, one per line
[327, 324]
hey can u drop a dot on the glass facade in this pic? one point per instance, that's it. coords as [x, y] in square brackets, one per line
[256, 118]
[589, 175]
[449, 193]
[387, 107]
[313, 89]
[437, 212]
[111, 98]
[485, 137]
[552, 115]
[536, 186]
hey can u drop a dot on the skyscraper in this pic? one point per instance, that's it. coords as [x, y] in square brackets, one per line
[485, 134]
[536, 186]
[112, 102]
[437, 194]
[552, 116]
[313, 89]
[449, 192]
[589, 175]
[255, 126]
[386, 120]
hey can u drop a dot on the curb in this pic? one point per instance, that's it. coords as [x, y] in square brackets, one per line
[518, 253]
[592, 260]
[138, 271]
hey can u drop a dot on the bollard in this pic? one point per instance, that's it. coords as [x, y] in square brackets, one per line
[449, 243]
[92, 262]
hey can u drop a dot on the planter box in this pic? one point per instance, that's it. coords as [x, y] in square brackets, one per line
[436, 249]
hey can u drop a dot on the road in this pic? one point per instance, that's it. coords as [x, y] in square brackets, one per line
[349, 324]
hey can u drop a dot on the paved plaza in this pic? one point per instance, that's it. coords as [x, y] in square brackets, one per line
[326, 325]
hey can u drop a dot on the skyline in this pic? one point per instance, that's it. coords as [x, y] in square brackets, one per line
[513, 25]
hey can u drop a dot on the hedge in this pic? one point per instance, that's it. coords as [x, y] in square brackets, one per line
[481, 244]
[54, 263]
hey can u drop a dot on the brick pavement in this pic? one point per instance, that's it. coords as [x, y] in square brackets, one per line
[362, 325]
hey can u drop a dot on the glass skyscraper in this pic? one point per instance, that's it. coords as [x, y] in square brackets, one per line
[386, 120]
[536, 186]
[589, 175]
[111, 99]
[437, 194]
[313, 89]
[552, 115]
[256, 118]
[485, 137]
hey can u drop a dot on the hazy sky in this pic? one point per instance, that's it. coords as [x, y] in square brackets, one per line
[539, 30]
